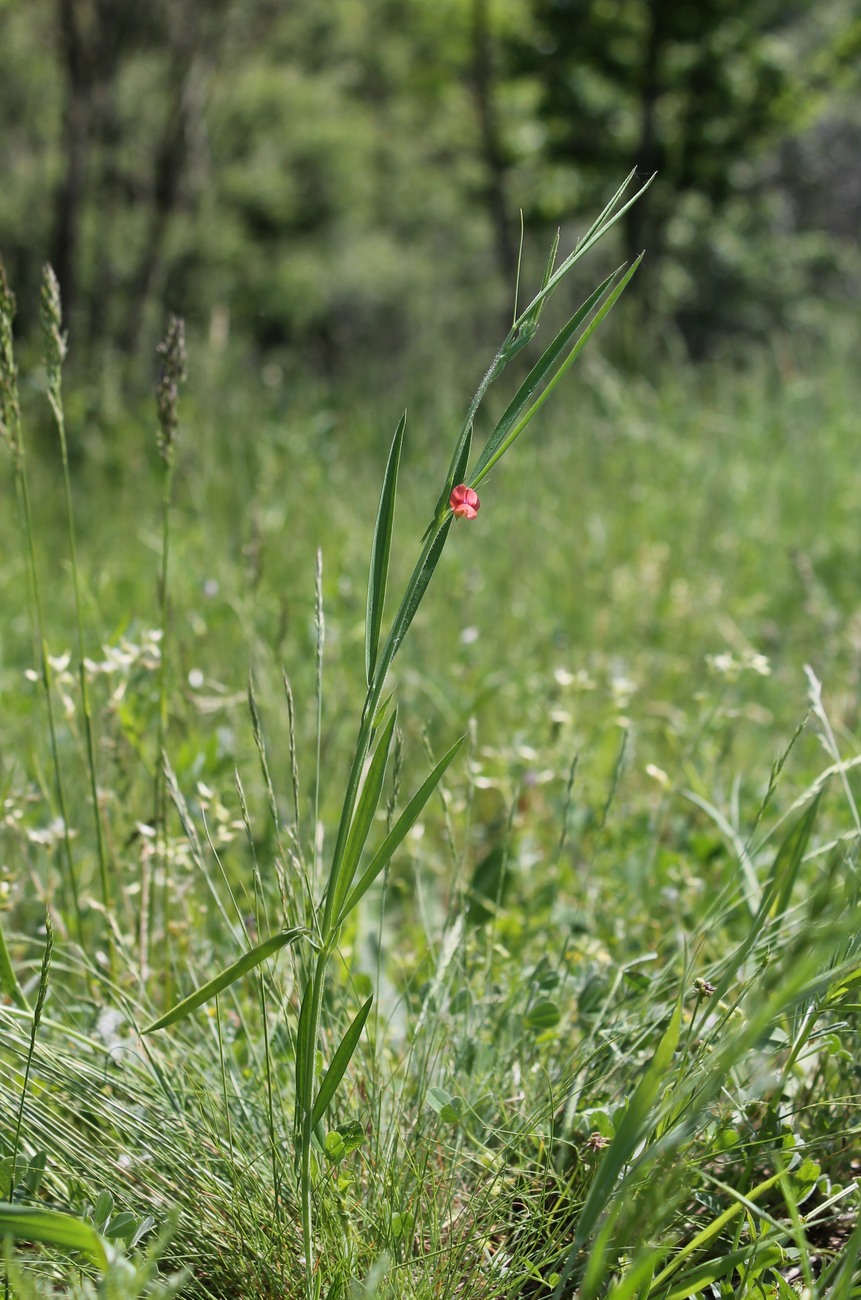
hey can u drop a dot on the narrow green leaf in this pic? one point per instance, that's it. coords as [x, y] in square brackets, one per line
[229, 976]
[502, 443]
[784, 872]
[604, 222]
[52, 1229]
[398, 833]
[360, 828]
[340, 1061]
[838, 1278]
[698, 1279]
[630, 1132]
[422, 575]
[381, 550]
[537, 375]
[304, 1050]
[710, 1232]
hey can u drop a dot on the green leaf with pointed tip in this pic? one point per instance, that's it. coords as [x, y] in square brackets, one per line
[369, 802]
[227, 977]
[381, 548]
[701, 1278]
[784, 872]
[398, 833]
[536, 377]
[543, 1015]
[604, 222]
[340, 1061]
[630, 1132]
[52, 1229]
[513, 422]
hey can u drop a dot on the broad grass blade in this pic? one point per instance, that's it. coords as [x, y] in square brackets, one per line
[398, 833]
[369, 802]
[629, 1134]
[52, 1229]
[381, 550]
[227, 977]
[536, 377]
[707, 1235]
[340, 1061]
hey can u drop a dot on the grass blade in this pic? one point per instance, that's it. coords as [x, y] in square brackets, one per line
[422, 575]
[629, 1134]
[398, 833]
[380, 551]
[339, 1063]
[536, 378]
[700, 1279]
[369, 801]
[783, 872]
[227, 977]
[578, 347]
[52, 1229]
[596, 231]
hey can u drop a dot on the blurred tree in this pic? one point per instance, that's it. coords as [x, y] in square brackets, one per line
[690, 89]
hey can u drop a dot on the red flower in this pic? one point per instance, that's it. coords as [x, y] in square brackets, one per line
[464, 502]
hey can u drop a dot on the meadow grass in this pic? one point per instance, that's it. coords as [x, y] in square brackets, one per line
[612, 1049]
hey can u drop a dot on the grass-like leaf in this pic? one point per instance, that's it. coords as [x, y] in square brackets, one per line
[782, 876]
[629, 1134]
[369, 800]
[536, 377]
[227, 977]
[52, 1228]
[700, 1279]
[499, 443]
[398, 833]
[339, 1063]
[381, 550]
[422, 575]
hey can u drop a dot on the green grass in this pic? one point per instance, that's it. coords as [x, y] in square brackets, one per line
[616, 964]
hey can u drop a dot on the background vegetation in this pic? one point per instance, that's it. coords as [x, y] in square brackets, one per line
[614, 1041]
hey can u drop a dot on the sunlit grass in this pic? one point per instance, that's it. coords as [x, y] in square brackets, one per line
[622, 867]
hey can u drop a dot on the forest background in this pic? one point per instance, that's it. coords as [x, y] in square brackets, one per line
[328, 184]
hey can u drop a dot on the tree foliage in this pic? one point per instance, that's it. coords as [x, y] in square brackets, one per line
[318, 176]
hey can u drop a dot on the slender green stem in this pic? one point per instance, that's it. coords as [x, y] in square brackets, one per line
[45, 677]
[307, 1111]
[59, 416]
[160, 786]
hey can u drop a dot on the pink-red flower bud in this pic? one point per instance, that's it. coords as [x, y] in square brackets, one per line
[464, 502]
